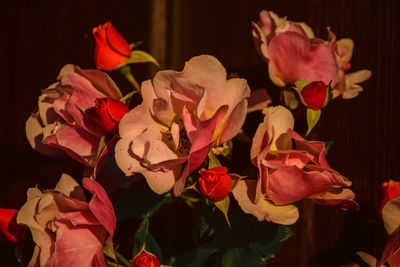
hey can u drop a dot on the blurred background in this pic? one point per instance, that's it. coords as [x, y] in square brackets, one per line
[40, 37]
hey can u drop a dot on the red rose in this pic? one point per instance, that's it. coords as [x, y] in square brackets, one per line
[145, 259]
[316, 95]
[390, 191]
[106, 114]
[9, 229]
[215, 183]
[111, 49]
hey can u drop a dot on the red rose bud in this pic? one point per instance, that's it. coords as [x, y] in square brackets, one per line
[215, 183]
[390, 191]
[107, 113]
[9, 229]
[111, 49]
[145, 259]
[316, 95]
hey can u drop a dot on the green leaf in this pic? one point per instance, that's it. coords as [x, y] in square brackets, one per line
[269, 250]
[139, 56]
[196, 258]
[328, 145]
[241, 257]
[223, 205]
[312, 118]
[127, 98]
[144, 239]
[149, 202]
[301, 84]
[214, 162]
[109, 251]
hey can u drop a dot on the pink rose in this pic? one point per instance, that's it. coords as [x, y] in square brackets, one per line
[287, 175]
[65, 227]
[59, 124]
[293, 53]
[182, 116]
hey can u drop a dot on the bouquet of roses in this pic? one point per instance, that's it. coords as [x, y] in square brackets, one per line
[174, 142]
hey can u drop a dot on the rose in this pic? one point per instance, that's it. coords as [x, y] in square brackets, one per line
[290, 169]
[215, 183]
[389, 208]
[293, 53]
[65, 227]
[106, 114]
[111, 49]
[59, 123]
[9, 229]
[145, 259]
[316, 95]
[182, 116]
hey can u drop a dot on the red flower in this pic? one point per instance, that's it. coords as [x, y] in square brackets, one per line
[215, 183]
[111, 48]
[316, 95]
[107, 113]
[145, 259]
[9, 229]
[390, 191]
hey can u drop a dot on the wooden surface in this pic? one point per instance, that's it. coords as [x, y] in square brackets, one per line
[39, 37]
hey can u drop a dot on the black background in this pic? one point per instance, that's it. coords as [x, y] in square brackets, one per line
[39, 37]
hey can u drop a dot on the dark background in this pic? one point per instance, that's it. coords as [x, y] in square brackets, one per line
[39, 37]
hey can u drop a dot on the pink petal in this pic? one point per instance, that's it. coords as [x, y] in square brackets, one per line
[101, 206]
[101, 81]
[289, 184]
[296, 59]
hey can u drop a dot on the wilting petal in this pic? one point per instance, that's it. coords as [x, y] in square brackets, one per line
[260, 41]
[263, 209]
[235, 121]
[296, 59]
[162, 181]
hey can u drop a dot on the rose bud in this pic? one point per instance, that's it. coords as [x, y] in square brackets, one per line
[111, 49]
[215, 183]
[316, 95]
[107, 113]
[390, 191]
[9, 229]
[145, 259]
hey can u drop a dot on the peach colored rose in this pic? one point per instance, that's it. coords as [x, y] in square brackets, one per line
[66, 228]
[59, 124]
[183, 115]
[288, 174]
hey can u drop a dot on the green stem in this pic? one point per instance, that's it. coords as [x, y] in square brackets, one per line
[112, 264]
[121, 258]
[126, 72]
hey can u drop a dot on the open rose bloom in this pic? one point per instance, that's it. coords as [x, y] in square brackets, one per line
[182, 116]
[290, 169]
[293, 54]
[68, 230]
[59, 124]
